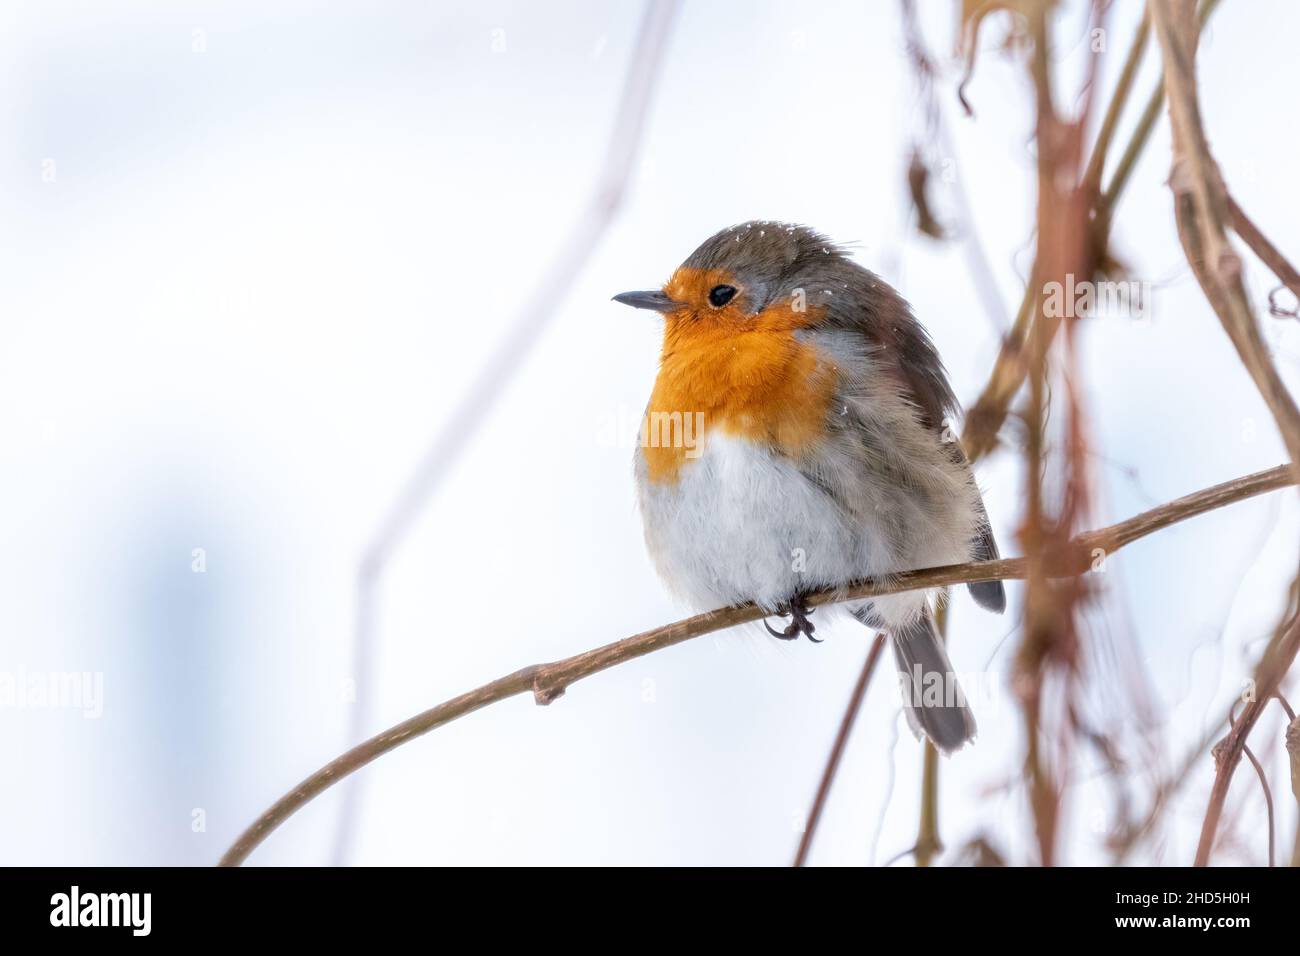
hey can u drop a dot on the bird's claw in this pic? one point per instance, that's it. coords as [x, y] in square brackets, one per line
[798, 611]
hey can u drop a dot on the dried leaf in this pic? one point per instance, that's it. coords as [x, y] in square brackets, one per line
[971, 16]
[918, 179]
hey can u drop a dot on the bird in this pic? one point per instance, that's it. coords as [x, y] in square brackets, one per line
[799, 436]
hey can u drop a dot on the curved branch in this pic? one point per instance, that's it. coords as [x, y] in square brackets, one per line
[1201, 210]
[549, 681]
[1268, 802]
[1272, 668]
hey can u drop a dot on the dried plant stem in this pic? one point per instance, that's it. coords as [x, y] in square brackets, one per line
[928, 842]
[1061, 227]
[1201, 211]
[1092, 178]
[1128, 160]
[986, 416]
[837, 749]
[1293, 753]
[1277, 660]
[1268, 801]
[549, 681]
[1142, 132]
[1202, 208]
[1259, 244]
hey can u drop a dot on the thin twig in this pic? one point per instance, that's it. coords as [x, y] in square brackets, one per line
[1276, 661]
[515, 345]
[1268, 791]
[928, 842]
[1293, 756]
[1092, 178]
[1290, 714]
[837, 749]
[1268, 800]
[1142, 132]
[549, 681]
[1259, 244]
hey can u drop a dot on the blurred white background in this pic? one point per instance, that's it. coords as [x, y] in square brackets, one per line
[250, 254]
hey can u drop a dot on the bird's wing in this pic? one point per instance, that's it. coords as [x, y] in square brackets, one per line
[927, 383]
[990, 595]
[903, 348]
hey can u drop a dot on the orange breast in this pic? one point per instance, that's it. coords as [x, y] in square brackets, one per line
[747, 377]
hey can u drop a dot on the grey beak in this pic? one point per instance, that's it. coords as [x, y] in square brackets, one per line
[647, 300]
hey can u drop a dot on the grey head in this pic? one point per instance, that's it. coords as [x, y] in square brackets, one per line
[750, 266]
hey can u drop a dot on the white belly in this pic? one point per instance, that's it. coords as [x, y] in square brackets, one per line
[743, 524]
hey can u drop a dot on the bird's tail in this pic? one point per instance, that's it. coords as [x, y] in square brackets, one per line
[933, 701]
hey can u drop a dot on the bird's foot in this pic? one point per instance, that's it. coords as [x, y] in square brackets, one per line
[798, 612]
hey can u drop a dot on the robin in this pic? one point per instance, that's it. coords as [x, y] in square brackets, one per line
[799, 437]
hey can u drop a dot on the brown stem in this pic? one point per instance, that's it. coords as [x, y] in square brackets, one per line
[1268, 800]
[549, 681]
[1201, 210]
[1293, 753]
[928, 842]
[1277, 660]
[1142, 132]
[1092, 178]
[1268, 253]
[986, 415]
[837, 749]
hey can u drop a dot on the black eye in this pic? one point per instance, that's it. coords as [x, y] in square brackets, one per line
[720, 295]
